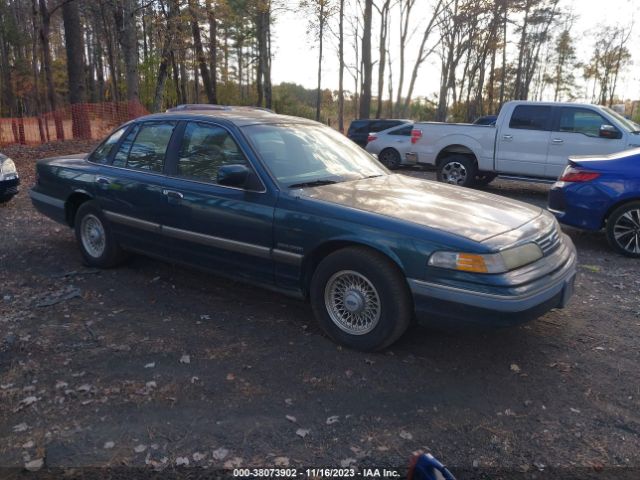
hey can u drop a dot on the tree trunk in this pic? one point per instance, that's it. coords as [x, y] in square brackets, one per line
[320, 38]
[382, 52]
[341, 69]
[125, 18]
[74, 44]
[163, 68]
[201, 58]
[46, 54]
[213, 49]
[367, 66]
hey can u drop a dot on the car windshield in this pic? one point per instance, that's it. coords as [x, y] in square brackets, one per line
[305, 155]
[631, 126]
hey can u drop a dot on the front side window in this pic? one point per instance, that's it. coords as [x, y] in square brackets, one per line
[298, 154]
[531, 117]
[145, 146]
[205, 148]
[581, 120]
[101, 154]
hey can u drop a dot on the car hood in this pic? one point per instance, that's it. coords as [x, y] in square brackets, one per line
[468, 213]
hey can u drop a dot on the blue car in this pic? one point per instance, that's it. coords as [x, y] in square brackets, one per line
[602, 192]
[292, 205]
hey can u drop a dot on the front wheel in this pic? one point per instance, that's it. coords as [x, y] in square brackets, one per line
[361, 299]
[95, 238]
[457, 170]
[623, 229]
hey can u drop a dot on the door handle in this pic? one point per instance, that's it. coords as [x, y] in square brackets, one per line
[172, 194]
[507, 137]
[557, 141]
[102, 181]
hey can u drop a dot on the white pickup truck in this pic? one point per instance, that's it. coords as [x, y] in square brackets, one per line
[529, 141]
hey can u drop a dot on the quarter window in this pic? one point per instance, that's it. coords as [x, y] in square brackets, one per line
[531, 117]
[404, 131]
[101, 154]
[205, 148]
[581, 120]
[145, 147]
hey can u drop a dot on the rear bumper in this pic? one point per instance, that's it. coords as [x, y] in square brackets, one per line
[49, 206]
[457, 305]
[9, 188]
[580, 205]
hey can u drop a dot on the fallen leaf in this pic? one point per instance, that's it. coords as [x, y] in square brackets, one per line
[281, 461]
[34, 465]
[406, 435]
[231, 377]
[109, 445]
[333, 419]
[21, 427]
[234, 462]
[302, 432]
[220, 453]
[347, 462]
[185, 359]
[198, 456]
[291, 418]
[515, 368]
[182, 461]
[140, 448]
[150, 365]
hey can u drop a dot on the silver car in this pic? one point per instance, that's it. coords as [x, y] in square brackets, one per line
[392, 145]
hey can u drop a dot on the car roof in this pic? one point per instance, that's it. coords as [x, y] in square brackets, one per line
[239, 116]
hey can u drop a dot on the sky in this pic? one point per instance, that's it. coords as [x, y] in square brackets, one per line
[296, 55]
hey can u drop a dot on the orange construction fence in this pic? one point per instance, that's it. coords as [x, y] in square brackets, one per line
[88, 121]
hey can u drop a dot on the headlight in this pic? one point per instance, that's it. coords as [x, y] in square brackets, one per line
[8, 170]
[487, 263]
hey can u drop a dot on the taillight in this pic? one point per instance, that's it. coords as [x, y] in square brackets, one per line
[574, 174]
[371, 138]
[415, 135]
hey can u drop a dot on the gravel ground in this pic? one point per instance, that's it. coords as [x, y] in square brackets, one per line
[153, 366]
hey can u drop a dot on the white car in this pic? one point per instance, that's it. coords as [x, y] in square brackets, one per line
[392, 145]
[530, 141]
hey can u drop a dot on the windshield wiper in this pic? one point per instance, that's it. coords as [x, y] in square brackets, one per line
[312, 183]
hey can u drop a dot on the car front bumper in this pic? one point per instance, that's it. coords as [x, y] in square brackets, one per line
[450, 305]
[9, 188]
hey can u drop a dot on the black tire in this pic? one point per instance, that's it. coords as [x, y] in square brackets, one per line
[458, 170]
[623, 229]
[390, 158]
[485, 178]
[6, 198]
[111, 254]
[390, 294]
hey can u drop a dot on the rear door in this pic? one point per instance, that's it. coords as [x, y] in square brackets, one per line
[523, 144]
[577, 132]
[129, 189]
[215, 226]
[400, 139]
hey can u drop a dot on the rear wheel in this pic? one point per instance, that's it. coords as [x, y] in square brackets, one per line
[361, 299]
[95, 237]
[623, 229]
[457, 170]
[390, 158]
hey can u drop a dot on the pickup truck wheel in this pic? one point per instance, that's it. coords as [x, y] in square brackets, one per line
[95, 237]
[457, 170]
[623, 229]
[390, 158]
[360, 299]
[484, 179]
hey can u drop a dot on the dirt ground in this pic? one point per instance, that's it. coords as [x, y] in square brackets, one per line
[153, 366]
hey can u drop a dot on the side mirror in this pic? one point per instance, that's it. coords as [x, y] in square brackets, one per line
[233, 175]
[609, 131]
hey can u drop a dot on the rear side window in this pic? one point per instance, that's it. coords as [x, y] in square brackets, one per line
[404, 131]
[145, 147]
[581, 120]
[531, 117]
[205, 148]
[359, 127]
[101, 154]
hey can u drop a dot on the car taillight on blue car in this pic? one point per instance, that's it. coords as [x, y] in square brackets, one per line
[573, 173]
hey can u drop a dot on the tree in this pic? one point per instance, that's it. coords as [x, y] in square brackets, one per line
[125, 20]
[199, 51]
[367, 65]
[74, 44]
[564, 64]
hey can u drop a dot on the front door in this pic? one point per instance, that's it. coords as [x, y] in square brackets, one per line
[522, 146]
[215, 226]
[577, 132]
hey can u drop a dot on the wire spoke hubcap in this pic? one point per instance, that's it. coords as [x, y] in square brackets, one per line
[352, 302]
[626, 231]
[454, 173]
[92, 235]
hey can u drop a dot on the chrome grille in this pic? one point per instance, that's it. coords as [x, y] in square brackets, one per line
[549, 241]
